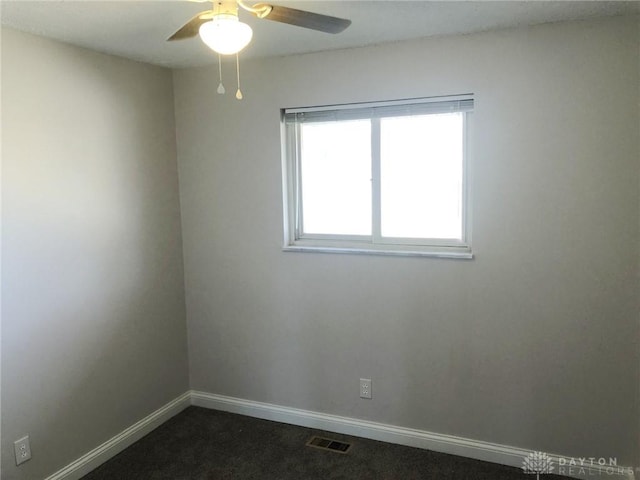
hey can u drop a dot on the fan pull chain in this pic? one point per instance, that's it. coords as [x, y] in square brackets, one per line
[221, 89]
[238, 93]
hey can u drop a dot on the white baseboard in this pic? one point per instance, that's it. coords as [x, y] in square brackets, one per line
[464, 447]
[115, 445]
[488, 452]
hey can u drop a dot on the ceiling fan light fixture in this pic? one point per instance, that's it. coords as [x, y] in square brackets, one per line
[225, 34]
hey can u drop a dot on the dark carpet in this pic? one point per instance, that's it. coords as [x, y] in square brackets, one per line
[202, 444]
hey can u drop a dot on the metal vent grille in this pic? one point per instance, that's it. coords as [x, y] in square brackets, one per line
[328, 444]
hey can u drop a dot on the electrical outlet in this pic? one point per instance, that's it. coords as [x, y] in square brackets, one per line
[22, 449]
[365, 388]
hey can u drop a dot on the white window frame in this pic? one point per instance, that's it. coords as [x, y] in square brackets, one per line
[297, 241]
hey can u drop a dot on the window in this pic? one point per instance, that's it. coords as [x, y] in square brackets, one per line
[387, 177]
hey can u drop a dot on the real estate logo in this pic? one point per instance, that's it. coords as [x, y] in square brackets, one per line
[537, 462]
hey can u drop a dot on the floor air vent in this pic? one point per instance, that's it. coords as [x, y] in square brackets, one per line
[328, 444]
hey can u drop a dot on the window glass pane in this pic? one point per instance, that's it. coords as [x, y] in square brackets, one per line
[335, 173]
[421, 176]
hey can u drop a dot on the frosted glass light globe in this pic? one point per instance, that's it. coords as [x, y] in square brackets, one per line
[225, 34]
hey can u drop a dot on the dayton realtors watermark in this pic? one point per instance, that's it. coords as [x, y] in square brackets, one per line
[539, 463]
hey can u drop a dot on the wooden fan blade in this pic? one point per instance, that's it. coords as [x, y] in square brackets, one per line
[301, 18]
[192, 27]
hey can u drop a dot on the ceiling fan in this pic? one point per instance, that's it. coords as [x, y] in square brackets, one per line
[221, 30]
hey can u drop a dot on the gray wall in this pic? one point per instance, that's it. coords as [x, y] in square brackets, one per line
[93, 327]
[532, 344]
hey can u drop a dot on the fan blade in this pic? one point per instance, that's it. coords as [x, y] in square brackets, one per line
[301, 18]
[192, 27]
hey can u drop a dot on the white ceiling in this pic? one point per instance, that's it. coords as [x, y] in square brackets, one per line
[138, 29]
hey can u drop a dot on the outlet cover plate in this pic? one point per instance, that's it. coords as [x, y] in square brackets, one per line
[22, 450]
[365, 388]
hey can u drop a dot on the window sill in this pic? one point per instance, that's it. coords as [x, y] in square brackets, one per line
[460, 253]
